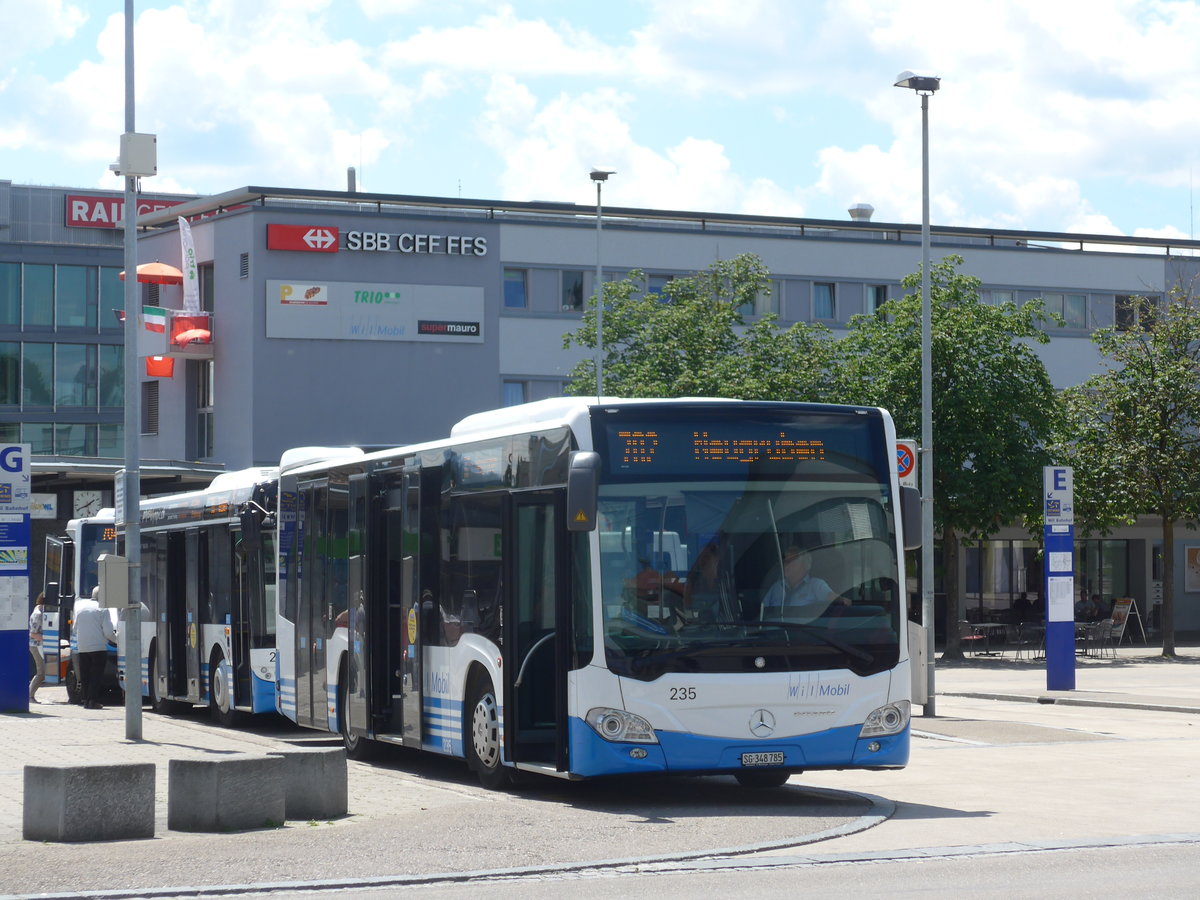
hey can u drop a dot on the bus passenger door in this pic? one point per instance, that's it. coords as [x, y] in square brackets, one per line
[196, 587]
[360, 618]
[404, 544]
[536, 631]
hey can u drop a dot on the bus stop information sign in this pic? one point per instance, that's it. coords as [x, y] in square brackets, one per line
[14, 577]
[1059, 547]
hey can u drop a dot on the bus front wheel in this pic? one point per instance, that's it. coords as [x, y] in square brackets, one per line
[483, 734]
[74, 689]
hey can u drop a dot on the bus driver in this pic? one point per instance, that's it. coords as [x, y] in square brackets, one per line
[798, 596]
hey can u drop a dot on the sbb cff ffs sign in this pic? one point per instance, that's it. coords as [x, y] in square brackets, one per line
[307, 238]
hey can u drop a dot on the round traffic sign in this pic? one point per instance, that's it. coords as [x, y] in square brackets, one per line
[905, 461]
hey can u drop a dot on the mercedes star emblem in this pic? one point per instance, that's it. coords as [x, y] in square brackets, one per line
[762, 723]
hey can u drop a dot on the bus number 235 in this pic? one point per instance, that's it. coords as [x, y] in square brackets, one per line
[683, 693]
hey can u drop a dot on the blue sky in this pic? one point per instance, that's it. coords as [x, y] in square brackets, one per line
[1064, 115]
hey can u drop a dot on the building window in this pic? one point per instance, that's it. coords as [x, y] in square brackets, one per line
[765, 302]
[10, 373]
[37, 375]
[149, 407]
[112, 375]
[74, 440]
[74, 375]
[1126, 311]
[877, 295]
[112, 297]
[10, 293]
[1072, 308]
[38, 296]
[655, 285]
[205, 274]
[39, 436]
[111, 440]
[824, 301]
[572, 290]
[998, 297]
[1003, 582]
[10, 432]
[514, 393]
[204, 409]
[76, 294]
[515, 291]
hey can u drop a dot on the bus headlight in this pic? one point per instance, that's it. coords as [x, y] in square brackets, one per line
[619, 726]
[890, 719]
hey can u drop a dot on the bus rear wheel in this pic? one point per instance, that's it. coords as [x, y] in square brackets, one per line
[220, 691]
[483, 734]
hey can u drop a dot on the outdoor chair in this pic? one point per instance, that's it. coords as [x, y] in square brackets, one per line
[971, 640]
[1100, 639]
[1031, 638]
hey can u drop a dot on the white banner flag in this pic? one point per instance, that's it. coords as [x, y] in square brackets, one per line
[191, 277]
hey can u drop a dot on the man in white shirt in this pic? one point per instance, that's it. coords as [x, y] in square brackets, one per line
[798, 596]
[94, 631]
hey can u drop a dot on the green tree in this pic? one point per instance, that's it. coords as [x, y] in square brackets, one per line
[691, 340]
[994, 407]
[1132, 432]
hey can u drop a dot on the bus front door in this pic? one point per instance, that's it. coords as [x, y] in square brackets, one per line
[197, 583]
[536, 632]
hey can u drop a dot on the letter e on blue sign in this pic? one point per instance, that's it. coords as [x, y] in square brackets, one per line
[1058, 495]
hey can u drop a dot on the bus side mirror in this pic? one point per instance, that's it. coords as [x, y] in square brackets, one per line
[910, 517]
[583, 480]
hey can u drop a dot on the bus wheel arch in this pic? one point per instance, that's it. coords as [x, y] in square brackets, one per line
[481, 730]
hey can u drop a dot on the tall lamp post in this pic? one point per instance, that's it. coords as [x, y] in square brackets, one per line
[599, 176]
[925, 85]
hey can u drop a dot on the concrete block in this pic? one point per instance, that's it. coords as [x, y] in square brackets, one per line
[226, 793]
[94, 802]
[314, 782]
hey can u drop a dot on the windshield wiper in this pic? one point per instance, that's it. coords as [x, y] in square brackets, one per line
[823, 635]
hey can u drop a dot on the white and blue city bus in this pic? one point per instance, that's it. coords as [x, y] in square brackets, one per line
[575, 587]
[70, 573]
[208, 590]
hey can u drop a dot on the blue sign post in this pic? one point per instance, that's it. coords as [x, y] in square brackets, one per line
[1059, 554]
[14, 577]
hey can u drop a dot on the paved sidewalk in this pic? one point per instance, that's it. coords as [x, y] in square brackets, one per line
[1137, 677]
[999, 763]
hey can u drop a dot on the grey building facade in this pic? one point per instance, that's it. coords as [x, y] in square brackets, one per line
[348, 318]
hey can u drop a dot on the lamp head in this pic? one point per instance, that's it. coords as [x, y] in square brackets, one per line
[602, 174]
[921, 82]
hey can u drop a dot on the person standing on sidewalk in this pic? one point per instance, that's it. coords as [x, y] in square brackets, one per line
[94, 631]
[35, 646]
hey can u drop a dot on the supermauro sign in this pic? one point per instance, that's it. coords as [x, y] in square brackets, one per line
[92, 211]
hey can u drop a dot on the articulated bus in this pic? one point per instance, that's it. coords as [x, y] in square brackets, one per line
[208, 594]
[583, 587]
[71, 573]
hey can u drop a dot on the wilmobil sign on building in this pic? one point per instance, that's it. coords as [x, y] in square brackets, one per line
[15, 494]
[1059, 545]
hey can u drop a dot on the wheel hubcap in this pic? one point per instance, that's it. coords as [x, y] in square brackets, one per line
[485, 731]
[220, 689]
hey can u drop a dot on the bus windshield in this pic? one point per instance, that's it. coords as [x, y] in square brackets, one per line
[781, 560]
[94, 539]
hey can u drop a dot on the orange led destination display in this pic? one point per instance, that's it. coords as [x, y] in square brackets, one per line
[637, 447]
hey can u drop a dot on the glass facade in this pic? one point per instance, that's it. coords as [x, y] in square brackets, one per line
[48, 365]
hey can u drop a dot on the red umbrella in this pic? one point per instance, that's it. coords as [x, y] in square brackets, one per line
[157, 273]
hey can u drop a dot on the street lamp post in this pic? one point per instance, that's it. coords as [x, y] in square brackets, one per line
[599, 176]
[925, 85]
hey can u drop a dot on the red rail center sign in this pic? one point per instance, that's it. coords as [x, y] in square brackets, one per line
[308, 238]
[906, 462]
